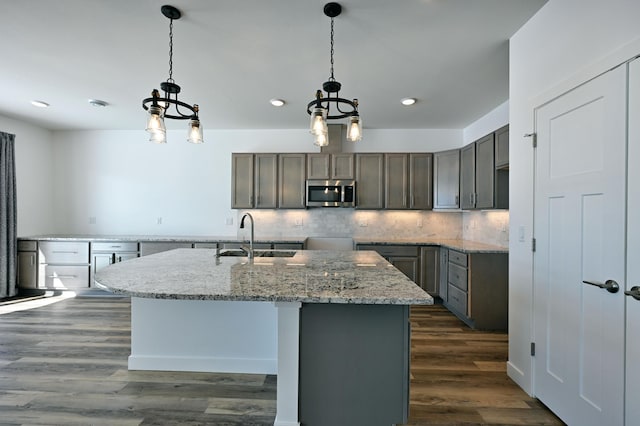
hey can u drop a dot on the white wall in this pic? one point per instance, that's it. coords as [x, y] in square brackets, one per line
[566, 43]
[490, 122]
[34, 168]
[126, 183]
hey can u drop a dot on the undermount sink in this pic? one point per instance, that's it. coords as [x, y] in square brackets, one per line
[257, 253]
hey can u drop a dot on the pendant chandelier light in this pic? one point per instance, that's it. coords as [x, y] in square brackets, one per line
[320, 108]
[169, 106]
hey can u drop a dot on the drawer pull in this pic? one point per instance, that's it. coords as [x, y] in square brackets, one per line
[64, 252]
[62, 276]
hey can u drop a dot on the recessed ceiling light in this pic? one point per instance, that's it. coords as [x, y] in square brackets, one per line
[277, 102]
[408, 101]
[39, 104]
[97, 103]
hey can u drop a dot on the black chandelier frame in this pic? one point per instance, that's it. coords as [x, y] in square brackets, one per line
[170, 87]
[332, 86]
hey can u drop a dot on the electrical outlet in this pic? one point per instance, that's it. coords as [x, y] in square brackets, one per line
[521, 234]
[298, 221]
[159, 221]
[363, 223]
[419, 222]
[92, 220]
[229, 221]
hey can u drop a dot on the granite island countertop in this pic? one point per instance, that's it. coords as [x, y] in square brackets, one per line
[310, 276]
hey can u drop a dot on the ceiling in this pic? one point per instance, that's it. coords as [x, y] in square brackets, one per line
[232, 56]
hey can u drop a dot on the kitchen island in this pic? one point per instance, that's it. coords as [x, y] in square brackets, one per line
[334, 326]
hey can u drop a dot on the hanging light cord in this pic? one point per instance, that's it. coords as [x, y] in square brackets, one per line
[332, 78]
[170, 79]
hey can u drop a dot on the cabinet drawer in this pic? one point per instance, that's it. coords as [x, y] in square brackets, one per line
[61, 276]
[391, 251]
[64, 252]
[457, 257]
[458, 276]
[115, 246]
[27, 245]
[457, 299]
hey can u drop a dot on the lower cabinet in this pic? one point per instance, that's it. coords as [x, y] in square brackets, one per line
[477, 289]
[63, 264]
[430, 270]
[27, 265]
[405, 258]
[147, 248]
[106, 253]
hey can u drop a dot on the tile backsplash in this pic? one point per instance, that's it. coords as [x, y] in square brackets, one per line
[490, 227]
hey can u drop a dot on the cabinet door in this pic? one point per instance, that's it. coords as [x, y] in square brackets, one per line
[421, 181]
[446, 169]
[485, 172]
[369, 181]
[443, 277]
[502, 147]
[318, 166]
[342, 166]
[467, 176]
[266, 181]
[241, 181]
[291, 173]
[27, 269]
[101, 260]
[396, 185]
[406, 265]
[429, 266]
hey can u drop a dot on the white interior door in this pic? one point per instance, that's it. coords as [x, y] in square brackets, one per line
[579, 225]
[632, 393]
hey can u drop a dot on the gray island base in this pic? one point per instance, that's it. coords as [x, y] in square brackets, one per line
[334, 327]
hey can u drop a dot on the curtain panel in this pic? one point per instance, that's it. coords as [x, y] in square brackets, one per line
[8, 220]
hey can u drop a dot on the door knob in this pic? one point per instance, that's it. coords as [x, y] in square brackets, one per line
[634, 292]
[610, 285]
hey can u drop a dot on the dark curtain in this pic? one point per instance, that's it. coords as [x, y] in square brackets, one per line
[8, 226]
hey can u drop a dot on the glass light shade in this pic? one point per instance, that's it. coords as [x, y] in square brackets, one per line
[354, 129]
[158, 137]
[195, 131]
[155, 120]
[322, 139]
[318, 124]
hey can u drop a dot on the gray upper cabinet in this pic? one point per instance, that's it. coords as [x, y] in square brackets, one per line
[330, 166]
[446, 171]
[266, 181]
[396, 181]
[485, 172]
[502, 147]
[468, 176]
[291, 181]
[409, 181]
[369, 181]
[241, 181]
[421, 181]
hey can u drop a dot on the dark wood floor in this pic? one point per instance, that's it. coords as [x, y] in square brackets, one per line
[66, 363]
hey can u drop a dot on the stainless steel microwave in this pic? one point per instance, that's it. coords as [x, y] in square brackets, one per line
[331, 193]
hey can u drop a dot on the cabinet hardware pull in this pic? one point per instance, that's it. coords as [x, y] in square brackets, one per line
[634, 292]
[62, 276]
[610, 285]
[64, 252]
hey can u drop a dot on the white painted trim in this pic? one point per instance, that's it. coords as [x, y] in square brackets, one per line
[516, 375]
[203, 364]
[288, 363]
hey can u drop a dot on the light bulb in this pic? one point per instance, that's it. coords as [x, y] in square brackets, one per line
[155, 120]
[318, 122]
[354, 129]
[195, 131]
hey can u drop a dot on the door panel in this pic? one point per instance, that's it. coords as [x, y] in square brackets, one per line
[579, 223]
[632, 415]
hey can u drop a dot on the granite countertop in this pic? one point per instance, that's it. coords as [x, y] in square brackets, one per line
[464, 246]
[159, 238]
[311, 276]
